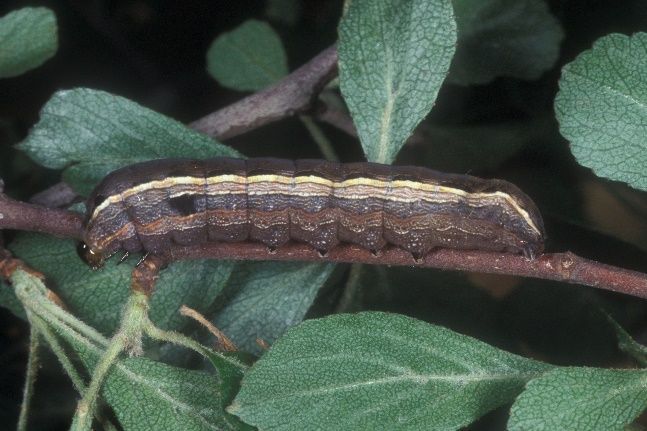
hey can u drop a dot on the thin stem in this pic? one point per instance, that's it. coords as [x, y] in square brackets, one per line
[324, 144]
[222, 341]
[43, 314]
[30, 379]
[59, 352]
[341, 120]
[85, 410]
[292, 95]
[337, 118]
[181, 340]
[51, 310]
[350, 289]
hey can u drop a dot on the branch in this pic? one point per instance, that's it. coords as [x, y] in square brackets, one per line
[293, 94]
[35, 218]
[566, 267]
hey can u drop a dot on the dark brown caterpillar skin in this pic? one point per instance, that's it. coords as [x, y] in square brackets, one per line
[151, 206]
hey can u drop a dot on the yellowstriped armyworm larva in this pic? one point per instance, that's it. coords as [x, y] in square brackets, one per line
[152, 206]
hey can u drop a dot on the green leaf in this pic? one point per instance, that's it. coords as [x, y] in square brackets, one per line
[91, 133]
[249, 58]
[581, 399]
[393, 58]
[516, 38]
[628, 345]
[143, 394]
[269, 298]
[378, 371]
[230, 376]
[98, 297]
[602, 108]
[28, 38]
[150, 395]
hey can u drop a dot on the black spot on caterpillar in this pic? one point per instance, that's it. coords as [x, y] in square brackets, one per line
[153, 205]
[183, 204]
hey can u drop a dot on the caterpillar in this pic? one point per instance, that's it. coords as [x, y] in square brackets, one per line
[154, 205]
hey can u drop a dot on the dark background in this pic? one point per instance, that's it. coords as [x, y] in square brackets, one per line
[154, 53]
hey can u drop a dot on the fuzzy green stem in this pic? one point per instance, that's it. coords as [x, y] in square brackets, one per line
[43, 314]
[128, 337]
[56, 347]
[59, 352]
[181, 340]
[47, 310]
[30, 379]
